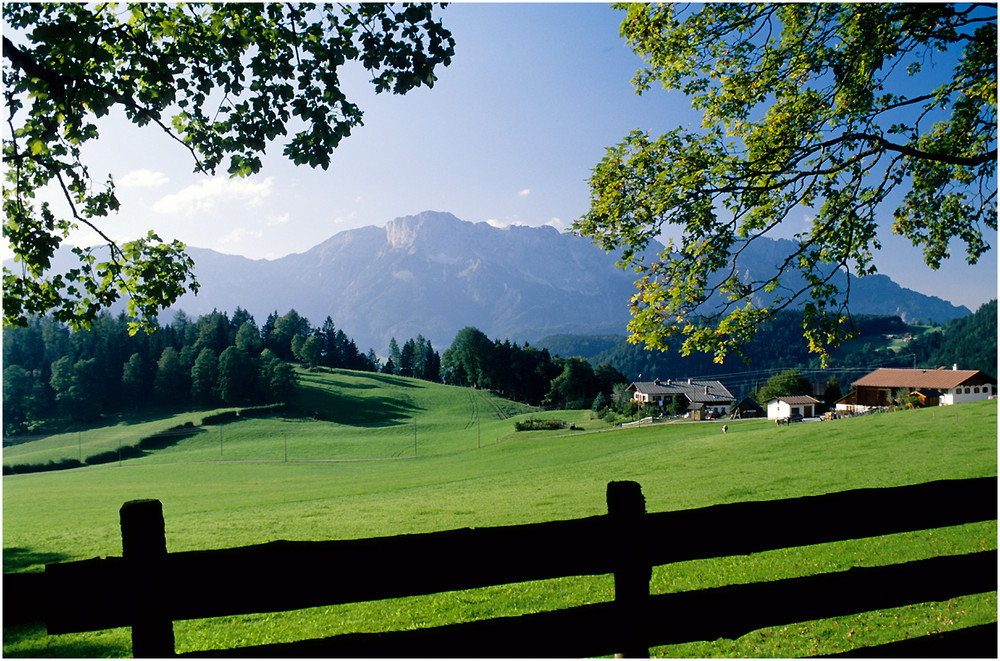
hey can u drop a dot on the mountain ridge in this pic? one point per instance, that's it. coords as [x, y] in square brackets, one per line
[433, 274]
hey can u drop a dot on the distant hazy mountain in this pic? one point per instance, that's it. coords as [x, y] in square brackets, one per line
[874, 294]
[433, 274]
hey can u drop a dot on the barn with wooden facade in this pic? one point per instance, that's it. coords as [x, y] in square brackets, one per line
[943, 386]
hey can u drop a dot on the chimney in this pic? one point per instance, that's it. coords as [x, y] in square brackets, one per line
[668, 382]
[706, 390]
[954, 367]
[689, 381]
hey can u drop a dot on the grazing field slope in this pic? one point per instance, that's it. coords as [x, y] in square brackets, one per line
[472, 469]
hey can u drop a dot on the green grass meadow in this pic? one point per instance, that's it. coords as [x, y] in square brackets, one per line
[351, 472]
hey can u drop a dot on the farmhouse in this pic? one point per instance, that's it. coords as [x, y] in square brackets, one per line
[782, 407]
[941, 387]
[707, 396]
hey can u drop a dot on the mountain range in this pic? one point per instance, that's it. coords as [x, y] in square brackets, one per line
[433, 274]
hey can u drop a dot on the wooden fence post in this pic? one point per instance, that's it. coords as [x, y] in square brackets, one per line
[626, 511]
[144, 547]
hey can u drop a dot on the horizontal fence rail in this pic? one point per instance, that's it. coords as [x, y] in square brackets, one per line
[105, 593]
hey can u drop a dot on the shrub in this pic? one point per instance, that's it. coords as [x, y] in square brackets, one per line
[110, 456]
[168, 437]
[261, 411]
[532, 423]
[219, 418]
[38, 468]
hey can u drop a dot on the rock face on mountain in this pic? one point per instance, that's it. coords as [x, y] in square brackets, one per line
[433, 274]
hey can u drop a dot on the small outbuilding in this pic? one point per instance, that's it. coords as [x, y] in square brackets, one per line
[779, 408]
[747, 408]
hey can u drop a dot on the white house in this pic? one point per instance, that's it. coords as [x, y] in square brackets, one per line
[782, 407]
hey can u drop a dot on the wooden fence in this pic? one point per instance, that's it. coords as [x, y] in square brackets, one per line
[147, 589]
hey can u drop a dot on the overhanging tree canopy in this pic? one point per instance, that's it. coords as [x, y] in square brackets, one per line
[223, 80]
[819, 109]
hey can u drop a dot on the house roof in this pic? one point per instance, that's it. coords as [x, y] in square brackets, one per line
[795, 399]
[695, 391]
[747, 404]
[940, 379]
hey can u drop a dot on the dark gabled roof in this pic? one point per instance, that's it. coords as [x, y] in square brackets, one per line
[695, 391]
[747, 404]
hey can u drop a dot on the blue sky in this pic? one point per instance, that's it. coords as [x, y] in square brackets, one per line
[509, 134]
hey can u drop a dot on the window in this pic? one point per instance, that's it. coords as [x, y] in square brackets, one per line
[976, 389]
[967, 390]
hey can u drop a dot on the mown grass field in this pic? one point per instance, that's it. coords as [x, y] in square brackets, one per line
[471, 469]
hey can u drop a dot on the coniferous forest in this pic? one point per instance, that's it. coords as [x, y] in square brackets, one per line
[52, 375]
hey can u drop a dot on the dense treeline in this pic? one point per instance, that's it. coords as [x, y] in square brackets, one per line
[524, 373]
[53, 375]
[969, 342]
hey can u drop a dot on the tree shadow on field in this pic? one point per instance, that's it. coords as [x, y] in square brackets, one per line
[345, 409]
[394, 381]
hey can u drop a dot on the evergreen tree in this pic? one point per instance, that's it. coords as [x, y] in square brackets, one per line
[431, 365]
[235, 376]
[205, 378]
[171, 383]
[17, 387]
[267, 331]
[407, 358]
[373, 362]
[134, 382]
[328, 336]
[395, 355]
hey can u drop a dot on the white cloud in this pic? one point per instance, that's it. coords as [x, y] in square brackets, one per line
[204, 196]
[499, 224]
[525, 193]
[143, 179]
[279, 220]
[241, 234]
[557, 223]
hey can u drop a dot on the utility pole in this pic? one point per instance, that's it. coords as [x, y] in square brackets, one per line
[414, 437]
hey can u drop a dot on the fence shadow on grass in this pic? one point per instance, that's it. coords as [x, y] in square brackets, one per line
[19, 558]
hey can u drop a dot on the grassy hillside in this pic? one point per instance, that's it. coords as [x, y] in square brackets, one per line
[336, 414]
[512, 478]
